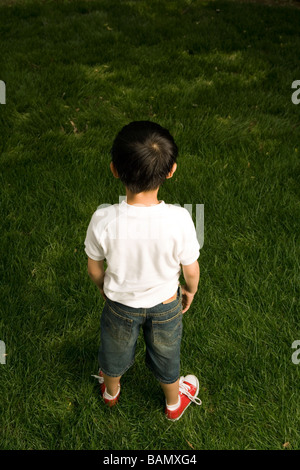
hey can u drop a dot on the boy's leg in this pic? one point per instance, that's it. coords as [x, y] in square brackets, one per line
[111, 384]
[171, 392]
[119, 333]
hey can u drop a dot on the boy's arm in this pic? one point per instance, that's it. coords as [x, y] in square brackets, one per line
[96, 272]
[191, 274]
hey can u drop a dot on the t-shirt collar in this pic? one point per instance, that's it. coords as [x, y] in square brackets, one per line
[142, 210]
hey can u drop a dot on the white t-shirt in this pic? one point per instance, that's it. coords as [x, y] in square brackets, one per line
[143, 247]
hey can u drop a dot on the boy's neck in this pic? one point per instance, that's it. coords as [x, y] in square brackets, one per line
[147, 198]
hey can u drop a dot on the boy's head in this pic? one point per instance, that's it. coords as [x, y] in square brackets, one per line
[143, 154]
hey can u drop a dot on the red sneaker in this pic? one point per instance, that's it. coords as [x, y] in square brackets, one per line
[188, 391]
[108, 400]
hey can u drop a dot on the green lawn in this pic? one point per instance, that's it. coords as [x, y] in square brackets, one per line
[218, 75]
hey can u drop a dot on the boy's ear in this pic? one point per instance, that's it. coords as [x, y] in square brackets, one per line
[172, 171]
[113, 170]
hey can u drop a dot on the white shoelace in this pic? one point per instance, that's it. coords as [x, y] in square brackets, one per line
[185, 389]
[100, 379]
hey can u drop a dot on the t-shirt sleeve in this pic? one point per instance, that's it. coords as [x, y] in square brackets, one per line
[92, 243]
[190, 249]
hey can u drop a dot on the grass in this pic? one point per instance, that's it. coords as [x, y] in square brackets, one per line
[75, 73]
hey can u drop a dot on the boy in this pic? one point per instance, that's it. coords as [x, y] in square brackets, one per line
[145, 242]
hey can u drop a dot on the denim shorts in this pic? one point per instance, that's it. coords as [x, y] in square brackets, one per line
[162, 329]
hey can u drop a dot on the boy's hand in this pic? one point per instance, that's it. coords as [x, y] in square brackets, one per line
[187, 299]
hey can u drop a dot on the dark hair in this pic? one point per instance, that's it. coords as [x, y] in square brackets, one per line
[143, 154]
